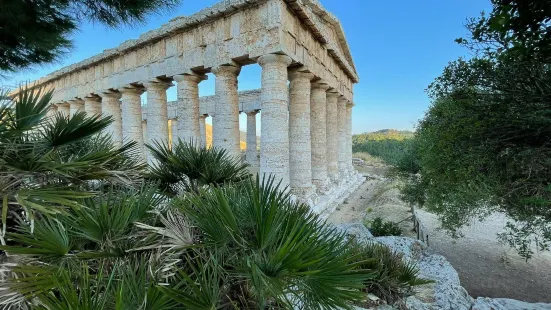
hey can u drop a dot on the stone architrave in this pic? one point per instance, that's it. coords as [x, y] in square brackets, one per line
[64, 108]
[111, 106]
[157, 112]
[318, 132]
[332, 136]
[202, 130]
[274, 153]
[300, 142]
[188, 107]
[342, 134]
[92, 105]
[131, 105]
[252, 152]
[76, 105]
[225, 121]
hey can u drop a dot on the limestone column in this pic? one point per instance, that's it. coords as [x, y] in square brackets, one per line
[300, 143]
[225, 121]
[187, 110]
[92, 105]
[174, 126]
[64, 108]
[274, 96]
[252, 152]
[131, 105]
[342, 134]
[52, 110]
[202, 131]
[76, 105]
[111, 106]
[351, 168]
[157, 111]
[318, 132]
[332, 136]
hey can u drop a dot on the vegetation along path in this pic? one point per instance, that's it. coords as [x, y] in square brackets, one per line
[486, 267]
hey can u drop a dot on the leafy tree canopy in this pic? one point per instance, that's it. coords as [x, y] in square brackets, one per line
[485, 143]
[38, 32]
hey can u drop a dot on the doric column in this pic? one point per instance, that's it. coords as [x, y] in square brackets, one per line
[342, 134]
[92, 105]
[300, 143]
[157, 111]
[52, 110]
[64, 108]
[76, 105]
[252, 152]
[274, 96]
[318, 129]
[351, 168]
[225, 121]
[174, 127]
[131, 104]
[111, 106]
[187, 110]
[332, 134]
[202, 131]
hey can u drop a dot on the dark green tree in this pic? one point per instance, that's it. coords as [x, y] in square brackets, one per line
[485, 143]
[34, 32]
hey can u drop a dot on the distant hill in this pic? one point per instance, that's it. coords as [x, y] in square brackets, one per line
[384, 134]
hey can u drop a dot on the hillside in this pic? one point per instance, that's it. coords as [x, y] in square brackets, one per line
[385, 134]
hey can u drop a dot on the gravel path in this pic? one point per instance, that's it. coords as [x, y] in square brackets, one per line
[486, 267]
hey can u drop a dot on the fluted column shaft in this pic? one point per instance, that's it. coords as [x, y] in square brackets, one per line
[300, 143]
[188, 107]
[332, 136]
[64, 108]
[342, 134]
[111, 106]
[174, 127]
[225, 121]
[349, 139]
[202, 131]
[132, 116]
[157, 112]
[318, 128]
[274, 96]
[92, 105]
[252, 153]
[76, 105]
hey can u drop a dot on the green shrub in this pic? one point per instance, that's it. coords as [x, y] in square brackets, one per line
[378, 228]
[394, 277]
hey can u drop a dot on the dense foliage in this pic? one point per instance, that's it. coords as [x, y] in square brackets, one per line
[378, 227]
[38, 32]
[90, 229]
[389, 145]
[485, 143]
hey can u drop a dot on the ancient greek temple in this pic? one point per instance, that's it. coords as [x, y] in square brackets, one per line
[305, 100]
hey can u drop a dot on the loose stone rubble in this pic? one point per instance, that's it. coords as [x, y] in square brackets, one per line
[306, 126]
[446, 293]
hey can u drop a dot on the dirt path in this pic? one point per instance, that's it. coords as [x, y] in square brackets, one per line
[486, 267]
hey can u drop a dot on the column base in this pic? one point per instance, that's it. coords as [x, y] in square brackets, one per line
[323, 187]
[329, 201]
[305, 195]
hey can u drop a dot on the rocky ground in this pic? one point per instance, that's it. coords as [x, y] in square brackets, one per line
[484, 267]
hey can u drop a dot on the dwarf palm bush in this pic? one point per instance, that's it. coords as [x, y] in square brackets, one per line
[187, 167]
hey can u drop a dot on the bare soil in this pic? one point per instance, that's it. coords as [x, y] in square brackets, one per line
[486, 267]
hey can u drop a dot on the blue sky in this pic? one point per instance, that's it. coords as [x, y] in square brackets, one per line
[399, 47]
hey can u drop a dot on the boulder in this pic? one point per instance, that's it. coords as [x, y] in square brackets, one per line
[356, 230]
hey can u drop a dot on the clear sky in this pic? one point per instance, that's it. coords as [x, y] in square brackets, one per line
[398, 46]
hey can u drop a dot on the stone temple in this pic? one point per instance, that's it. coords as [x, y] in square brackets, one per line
[306, 97]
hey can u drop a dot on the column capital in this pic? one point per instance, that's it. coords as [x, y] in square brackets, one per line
[332, 93]
[300, 73]
[190, 77]
[157, 85]
[253, 112]
[229, 69]
[350, 104]
[94, 98]
[203, 116]
[342, 99]
[274, 58]
[131, 90]
[320, 84]
[111, 95]
[63, 104]
[76, 100]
